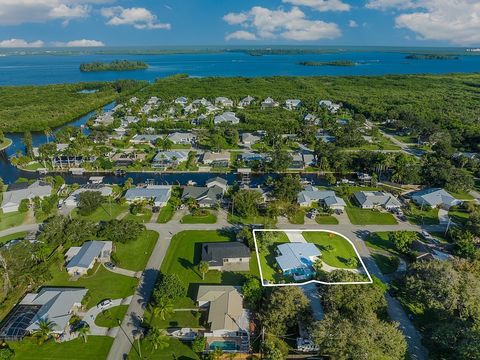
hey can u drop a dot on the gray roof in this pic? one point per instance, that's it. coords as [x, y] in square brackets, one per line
[169, 156]
[146, 138]
[311, 193]
[87, 254]
[159, 193]
[56, 305]
[214, 253]
[204, 195]
[376, 198]
[227, 116]
[16, 193]
[296, 255]
[434, 197]
[181, 137]
[218, 180]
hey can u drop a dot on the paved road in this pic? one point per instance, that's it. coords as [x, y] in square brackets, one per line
[17, 229]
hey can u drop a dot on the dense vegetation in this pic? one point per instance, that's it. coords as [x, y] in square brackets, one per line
[116, 65]
[328, 63]
[37, 108]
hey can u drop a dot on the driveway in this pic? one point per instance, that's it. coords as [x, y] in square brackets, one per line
[295, 236]
[92, 313]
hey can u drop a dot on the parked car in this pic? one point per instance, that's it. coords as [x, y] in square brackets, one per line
[104, 304]
[110, 265]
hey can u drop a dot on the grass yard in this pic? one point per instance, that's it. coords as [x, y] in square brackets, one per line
[166, 214]
[262, 220]
[134, 255]
[417, 216]
[5, 143]
[102, 283]
[387, 264]
[326, 220]
[342, 251]
[143, 217]
[96, 347]
[105, 212]
[109, 317]
[360, 216]
[459, 217]
[175, 350]
[12, 219]
[16, 236]
[461, 195]
[298, 218]
[201, 218]
[189, 319]
[380, 241]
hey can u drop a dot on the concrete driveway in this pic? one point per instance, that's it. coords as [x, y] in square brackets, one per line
[92, 313]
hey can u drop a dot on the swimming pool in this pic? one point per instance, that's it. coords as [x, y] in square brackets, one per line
[223, 345]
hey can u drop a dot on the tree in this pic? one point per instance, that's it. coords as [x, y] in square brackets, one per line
[122, 231]
[163, 309]
[403, 240]
[287, 187]
[246, 202]
[280, 159]
[24, 204]
[6, 353]
[274, 349]
[203, 267]
[89, 201]
[164, 143]
[465, 244]
[84, 331]
[199, 344]
[44, 330]
[330, 178]
[28, 142]
[246, 236]
[158, 337]
[252, 292]
[170, 287]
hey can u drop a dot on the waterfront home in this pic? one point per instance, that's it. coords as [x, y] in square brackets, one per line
[248, 139]
[296, 161]
[71, 161]
[205, 196]
[182, 138]
[145, 139]
[181, 101]
[216, 159]
[330, 106]
[169, 158]
[269, 103]
[228, 321]
[80, 259]
[23, 191]
[297, 259]
[223, 102]
[325, 198]
[293, 104]
[127, 157]
[217, 181]
[247, 101]
[54, 304]
[104, 119]
[73, 198]
[249, 157]
[226, 117]
[226, 256]
[434, 198]
[376, 199]
[158, 194]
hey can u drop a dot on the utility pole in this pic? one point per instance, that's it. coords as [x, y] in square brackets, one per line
[448, 225]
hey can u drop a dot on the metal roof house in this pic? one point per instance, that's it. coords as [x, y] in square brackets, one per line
[169, 158]
[325, 198]
[73, 198]
[223, 101]
[205, 196]
[374, 199]
[226, 256]
[217, 181]
[297, 259]
[182, 138]
[292, 104]
[434, 197]
[247, 101]
[81, 259]
[159, 194]
[17, 192]
[226, 117]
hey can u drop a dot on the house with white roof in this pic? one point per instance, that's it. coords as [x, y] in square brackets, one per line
[197, 103]
[169, 158]
[219, 182]
[376, 199]
[269, 103]
[81, 259]
[226, 117]
[293, 104]
[23, 191]
[330, 106]
[216, 158]
[223, 102]
[159, 194]
[435, 198]
[145, 138]
[247, 101]
[249, 139]
[311, 119]
[181, 101]
[325, 198]
[297, 259]
[74, 197]
[182, 138]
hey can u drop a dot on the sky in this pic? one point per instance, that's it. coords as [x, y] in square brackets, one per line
[82, 23]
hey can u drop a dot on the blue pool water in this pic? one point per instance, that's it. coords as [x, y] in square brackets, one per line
[223, 345]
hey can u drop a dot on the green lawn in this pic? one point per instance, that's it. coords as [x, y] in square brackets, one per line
[11, 219]
[208, 218]
[143, 217]
[189, 319]
[263, 220]
[360, 216]
[109, 317]
[16, 236]
[5, 143]
[96, 347]
[105, 212]
[341, 252]
[135, 254]
[166, 214]
[380, 241]
[175, 350]
[461, 195]
[270, 270]
[298, 218]
[417, 216]
[459, 217]
[387, 264]
[326, 220]
[102, 283]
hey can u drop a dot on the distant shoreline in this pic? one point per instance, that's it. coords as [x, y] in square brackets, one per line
[342, 63]
[116, 65]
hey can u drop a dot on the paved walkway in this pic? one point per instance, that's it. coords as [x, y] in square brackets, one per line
[443, 217]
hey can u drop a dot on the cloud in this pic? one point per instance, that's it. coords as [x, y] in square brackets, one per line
[80, 43]
[241, 35]
[20, 43]
[264, 23]
[321, 5]
[457, 22]
[15, 12]
[139, 18]
[352, 24]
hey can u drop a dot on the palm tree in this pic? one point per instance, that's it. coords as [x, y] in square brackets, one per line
[158, 338]
[83, 331]
[203, 268]
[163, 309]
[48, 132]
[44, 331]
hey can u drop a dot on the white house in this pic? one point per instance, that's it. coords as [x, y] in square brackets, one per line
[434, 197]
[293, 104]
[169, 158]
[226, 117]
[73, 198]
[23, 191]
[247, 101]
[325, 198]
[223, 102]
[159, 194]
[375, 199]
[330, 106]
[182, 138]
[219, 182]
[81, 259]
[249, 139]
[181, 101]
[269, 103]
[216, 158]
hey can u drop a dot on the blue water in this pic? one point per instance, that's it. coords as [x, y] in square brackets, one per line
[51, 69]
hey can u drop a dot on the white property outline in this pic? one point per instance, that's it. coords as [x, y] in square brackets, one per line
[370, 280]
